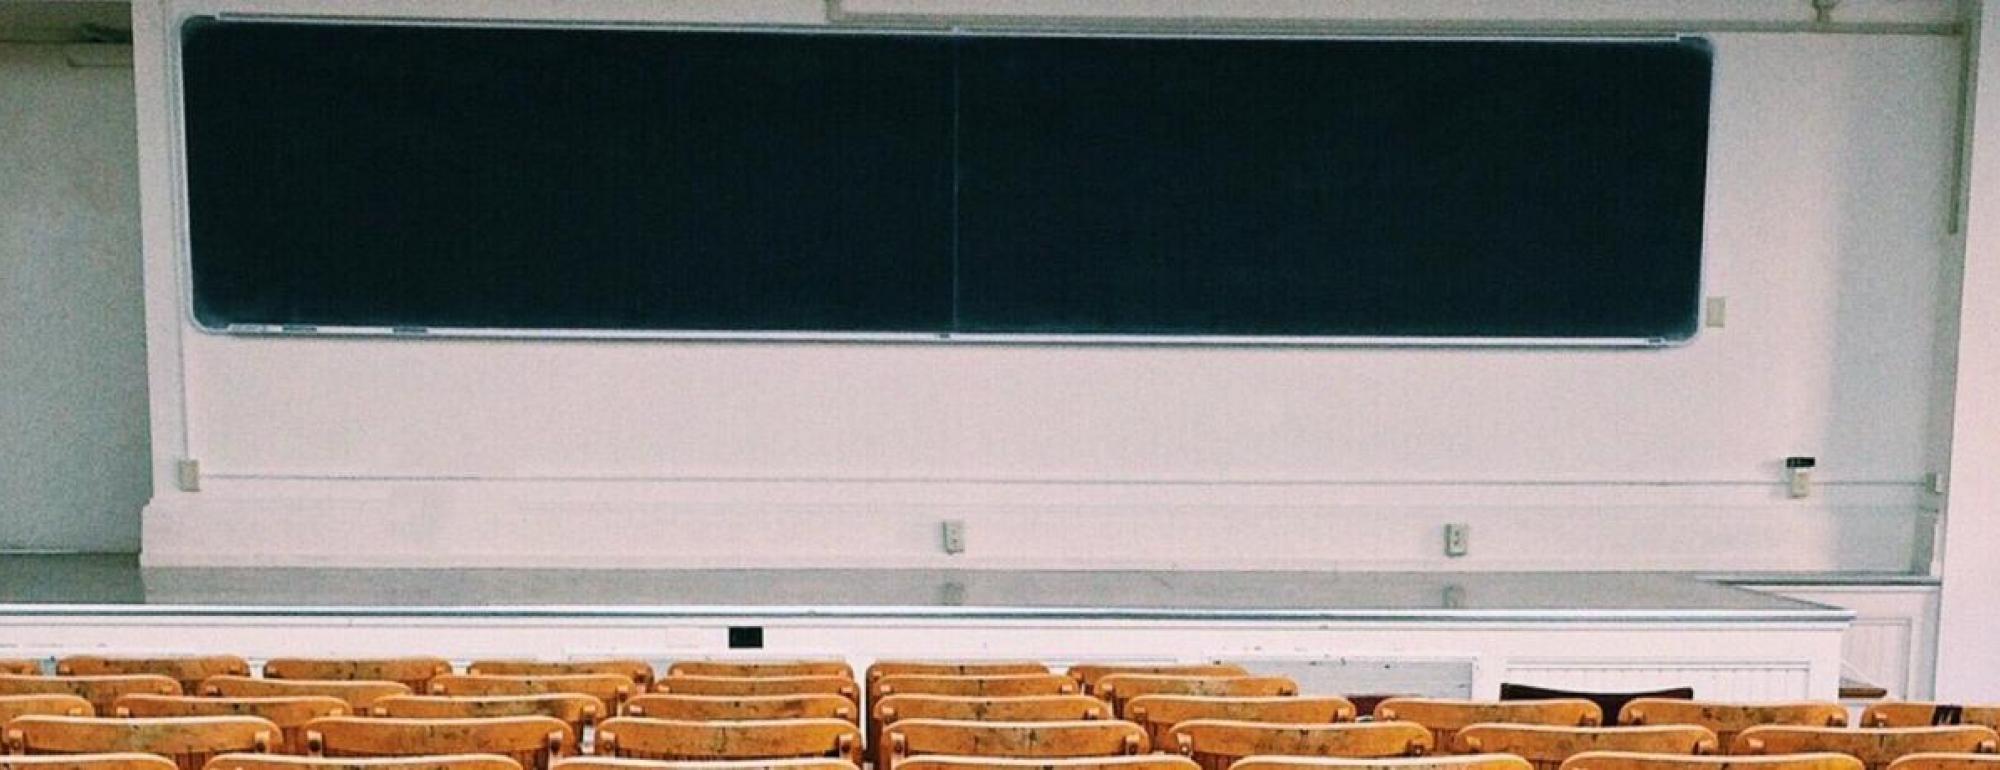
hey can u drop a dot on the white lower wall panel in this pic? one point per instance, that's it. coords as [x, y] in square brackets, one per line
[1893, 641]
[1750, 660]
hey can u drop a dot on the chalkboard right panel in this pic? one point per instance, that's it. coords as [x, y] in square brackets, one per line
[1338, 188]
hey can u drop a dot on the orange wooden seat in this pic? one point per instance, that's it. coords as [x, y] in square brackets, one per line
[882, 668]
[189, 741]
[1022, 708]
[1027, 740]
[577, 710]
[101, 691]
[1928, 714]
[413, 672]
[1116, 689]
[1876, 747]
[1548, 746]
[1087, 674]
[1217, 743]
[612, 689]
[1442, 762]
[290, 714]
[1947, 762]
[759, 685]
[50, 704]
[645, 738]
[1621, 760]
[972, 685]
[625, 763]
[1159, 713]
[109, 761]
[1728, 719]
[20, 666]
[189, 671]
[639, 671]
[428, 762]
[531, 741]
[1446, 717]
[837, 668]
[1131, 762]
[359, 694]
[713, 708]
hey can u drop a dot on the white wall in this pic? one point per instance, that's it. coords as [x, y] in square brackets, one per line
[1830, 176]
[1969, 616]
[73, 444]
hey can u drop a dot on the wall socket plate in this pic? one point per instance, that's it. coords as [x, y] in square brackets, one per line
[954, 536]
[1457, 539]
[187, 475]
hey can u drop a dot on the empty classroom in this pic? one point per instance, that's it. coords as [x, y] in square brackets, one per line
[999, 385]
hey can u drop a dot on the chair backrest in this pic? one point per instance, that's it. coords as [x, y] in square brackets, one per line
[1023, 708]
[532, 741]
[414, 672]
[1548, 746]
[1132, 762]
[1217, 743]
[1876, 747]
[1028, 740]
[110, 761]
[1116, 689]
[673, 739]
[639, 671]
[1087, 674]
[759, 685]
[612, 689]
[1159, 713]
[359, 694]
[1947, 762]
[837, 668]
[433, 762]
[988, 685]
[20, 666]
[189, 741]
[1445, 717]
[101, 691]
[1624, 760]
[189, 671]
[1928, 714]
[1441, 762]
[577, 710]
[290, 714]
[47, 704]
[1728, 719]
[882, 668]
[714, 708]
[624, 763]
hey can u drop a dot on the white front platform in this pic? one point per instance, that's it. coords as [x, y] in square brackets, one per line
[1459, 634]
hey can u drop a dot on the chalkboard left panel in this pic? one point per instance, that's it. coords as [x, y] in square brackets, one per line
[567, 179]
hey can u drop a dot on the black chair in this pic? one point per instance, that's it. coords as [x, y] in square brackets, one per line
[1612, 702]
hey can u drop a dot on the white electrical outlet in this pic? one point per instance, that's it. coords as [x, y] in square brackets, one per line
[1716, 312]
[954, 536]
[187, 475]
[1457, 539]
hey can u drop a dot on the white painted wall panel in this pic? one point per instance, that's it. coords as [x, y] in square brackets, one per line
[73, 442]
[1831, 170]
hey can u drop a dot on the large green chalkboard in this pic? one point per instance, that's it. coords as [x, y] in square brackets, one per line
[355, 176]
